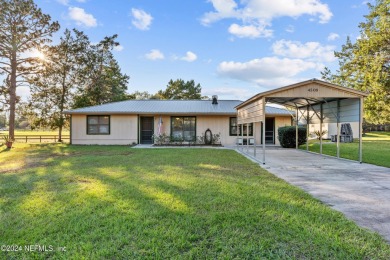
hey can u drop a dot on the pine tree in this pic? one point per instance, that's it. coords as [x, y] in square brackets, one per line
[179, 89]
[23, 28]
[103, 80]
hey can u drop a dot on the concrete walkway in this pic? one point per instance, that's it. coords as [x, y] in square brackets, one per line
[360, 191]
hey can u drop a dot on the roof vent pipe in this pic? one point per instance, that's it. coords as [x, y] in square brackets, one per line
[215, 100]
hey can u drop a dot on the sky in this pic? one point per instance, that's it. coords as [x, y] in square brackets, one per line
[233, 48]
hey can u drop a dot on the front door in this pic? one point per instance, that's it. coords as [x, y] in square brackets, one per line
[146, 129]
[270, 130]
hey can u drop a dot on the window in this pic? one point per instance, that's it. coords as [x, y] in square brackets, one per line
[234, 126]
[183, 128]
[98, 125]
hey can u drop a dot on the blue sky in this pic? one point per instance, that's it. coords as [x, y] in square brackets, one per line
[233, 48]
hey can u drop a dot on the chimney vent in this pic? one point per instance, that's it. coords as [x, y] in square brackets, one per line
[215, 100]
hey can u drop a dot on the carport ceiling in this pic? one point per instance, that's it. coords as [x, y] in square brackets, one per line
[299, 102]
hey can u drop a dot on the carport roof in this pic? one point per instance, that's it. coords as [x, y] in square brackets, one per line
[305, 93]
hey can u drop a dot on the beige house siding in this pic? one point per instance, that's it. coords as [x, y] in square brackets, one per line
[217, 125]
[166, 126]
[123, 131]
[280, 122]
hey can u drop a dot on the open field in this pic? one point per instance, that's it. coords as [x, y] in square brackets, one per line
[376, 148]
[116, 202]
[29, 132]
[27, 136]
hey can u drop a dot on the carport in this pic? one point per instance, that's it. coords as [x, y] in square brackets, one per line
[313, 102]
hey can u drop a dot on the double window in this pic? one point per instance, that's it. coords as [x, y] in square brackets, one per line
[234, 127]
[98, 125]
[183, 128]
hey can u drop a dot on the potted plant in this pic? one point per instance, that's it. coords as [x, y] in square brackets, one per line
[8, 141]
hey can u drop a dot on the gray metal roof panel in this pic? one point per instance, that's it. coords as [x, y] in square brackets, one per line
[276, 111]
[224, 107]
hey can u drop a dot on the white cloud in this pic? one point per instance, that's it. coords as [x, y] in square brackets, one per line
[63, 2]
[333, 36]
[312, 51]
[154, 55]
[119, 48]
[255, 12]
[81, 17]
[190, 56]
[250, 31]
[229, 92]
[141, 19]
[257, 70]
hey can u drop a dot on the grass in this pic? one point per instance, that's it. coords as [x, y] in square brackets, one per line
[117, 202]
[376, 148]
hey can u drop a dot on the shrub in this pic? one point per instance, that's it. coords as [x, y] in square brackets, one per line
[216, 138]
[319, 134]
[286, 136]
[161, 139]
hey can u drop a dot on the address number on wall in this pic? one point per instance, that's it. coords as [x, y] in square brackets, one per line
[313, 90]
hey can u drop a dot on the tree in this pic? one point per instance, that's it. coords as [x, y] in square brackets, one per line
[52, 90]
[365, 64]
[103, 80]
[179, 89]
[23, 27]
[141, 95]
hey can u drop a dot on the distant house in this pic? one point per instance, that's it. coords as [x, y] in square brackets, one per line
[135, 121]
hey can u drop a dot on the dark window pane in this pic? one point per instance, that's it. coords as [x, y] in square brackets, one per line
[183, 128]
[98, 125]
[93, 129]
[104, 120]
[104, 129]
[93, 120]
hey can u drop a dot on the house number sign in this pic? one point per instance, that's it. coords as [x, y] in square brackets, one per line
[312, 90]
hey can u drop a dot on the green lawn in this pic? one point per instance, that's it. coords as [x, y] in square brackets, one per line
[117, 202]
[376, 148]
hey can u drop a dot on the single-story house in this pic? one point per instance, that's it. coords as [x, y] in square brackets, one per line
[135, 121]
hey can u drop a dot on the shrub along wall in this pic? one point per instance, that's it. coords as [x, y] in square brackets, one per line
[286, 136]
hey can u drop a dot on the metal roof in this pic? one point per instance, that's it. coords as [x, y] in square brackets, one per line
[276, 95]
[161, 107]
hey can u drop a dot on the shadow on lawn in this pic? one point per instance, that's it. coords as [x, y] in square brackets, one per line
[115, 202]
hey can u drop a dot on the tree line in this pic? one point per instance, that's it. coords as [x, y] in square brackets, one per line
[77, 73]
[365, 64]
[71, 74]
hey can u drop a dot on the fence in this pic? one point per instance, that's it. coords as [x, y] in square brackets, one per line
[38, 138]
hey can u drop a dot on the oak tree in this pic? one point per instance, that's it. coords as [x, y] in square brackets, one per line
[52, 91]
[365, 64]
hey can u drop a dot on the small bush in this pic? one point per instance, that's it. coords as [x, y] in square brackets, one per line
[318, 133]
[286, 136]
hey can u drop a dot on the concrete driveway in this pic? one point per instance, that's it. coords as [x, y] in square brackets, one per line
[360, 191]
